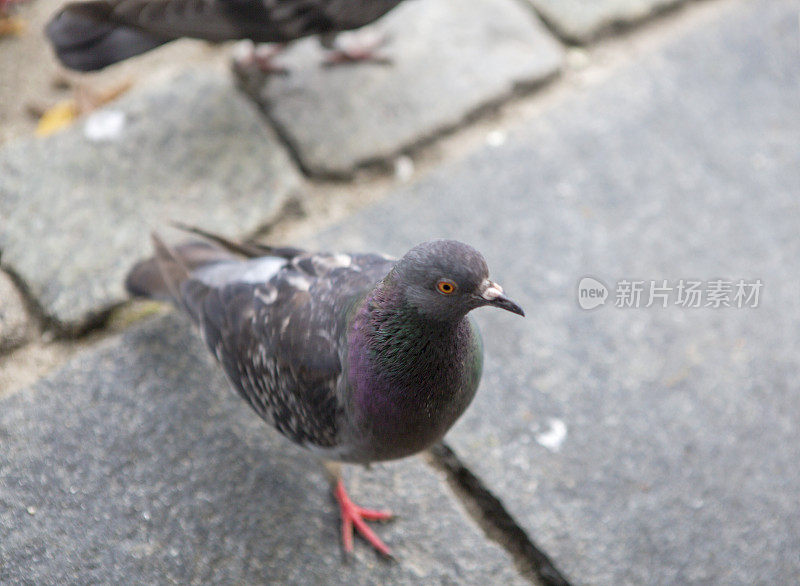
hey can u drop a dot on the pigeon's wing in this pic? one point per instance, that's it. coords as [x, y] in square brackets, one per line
[277, 326]
[221, 20]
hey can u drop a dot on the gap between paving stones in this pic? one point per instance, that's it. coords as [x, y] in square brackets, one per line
[492, 517]
[340, 118]
[384, 164]
[36, 313]
[50, 326]
[613, 27]
[16, 323]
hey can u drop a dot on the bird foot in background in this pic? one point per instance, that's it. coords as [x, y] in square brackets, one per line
[349, 48]
[355, 516]
[5, 4]
[261, 58]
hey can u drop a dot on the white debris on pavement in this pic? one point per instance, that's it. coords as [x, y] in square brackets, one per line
[496, 138]
[554, 437]
[403, 168]
[104, 125]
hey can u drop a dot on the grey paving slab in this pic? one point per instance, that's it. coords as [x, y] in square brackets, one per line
[136, 463]
[583, 20]
[682, 426]
[74, 206]
[446, 64]
[15, 324]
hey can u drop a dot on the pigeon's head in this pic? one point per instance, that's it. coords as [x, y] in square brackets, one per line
[445, 279]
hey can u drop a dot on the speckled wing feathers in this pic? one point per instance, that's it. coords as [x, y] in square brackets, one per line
[281, 341]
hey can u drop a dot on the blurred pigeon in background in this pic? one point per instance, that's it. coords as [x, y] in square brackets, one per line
[91, 35]
[359, 358]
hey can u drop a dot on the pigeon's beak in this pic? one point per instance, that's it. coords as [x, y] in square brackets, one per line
[492, 294]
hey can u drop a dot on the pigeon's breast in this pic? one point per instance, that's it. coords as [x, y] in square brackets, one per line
[401, 412]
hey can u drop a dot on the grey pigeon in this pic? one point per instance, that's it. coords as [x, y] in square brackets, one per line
[357, 357]
[94, 34]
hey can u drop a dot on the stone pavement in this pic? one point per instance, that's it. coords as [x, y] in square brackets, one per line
[443, 69]
[136, 463]
[636, 446]
[190, 149]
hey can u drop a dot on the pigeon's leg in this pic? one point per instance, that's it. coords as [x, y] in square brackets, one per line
[355, 516]
[354, 47]
[261, 57]
[14, 25]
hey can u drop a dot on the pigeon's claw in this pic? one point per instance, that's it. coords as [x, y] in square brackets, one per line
[258, 58]
[357, 48]
[355, 516]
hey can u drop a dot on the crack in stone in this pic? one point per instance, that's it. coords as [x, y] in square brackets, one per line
[495, 520]
[251, 85]
[17, 337]
[616, 26]
[34, 310]
[48, 325]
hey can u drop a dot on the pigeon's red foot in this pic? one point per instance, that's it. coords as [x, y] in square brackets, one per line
[261, 58]
[361, 48]
[355, 516]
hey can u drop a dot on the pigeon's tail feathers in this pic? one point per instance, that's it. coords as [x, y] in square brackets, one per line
[161, 276]
[85, 38]
[246, 249]
[171, 266]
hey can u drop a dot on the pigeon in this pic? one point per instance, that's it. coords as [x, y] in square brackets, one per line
[93, 34]
[357, 357]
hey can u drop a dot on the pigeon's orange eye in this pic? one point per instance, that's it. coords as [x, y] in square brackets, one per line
[446, 287]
